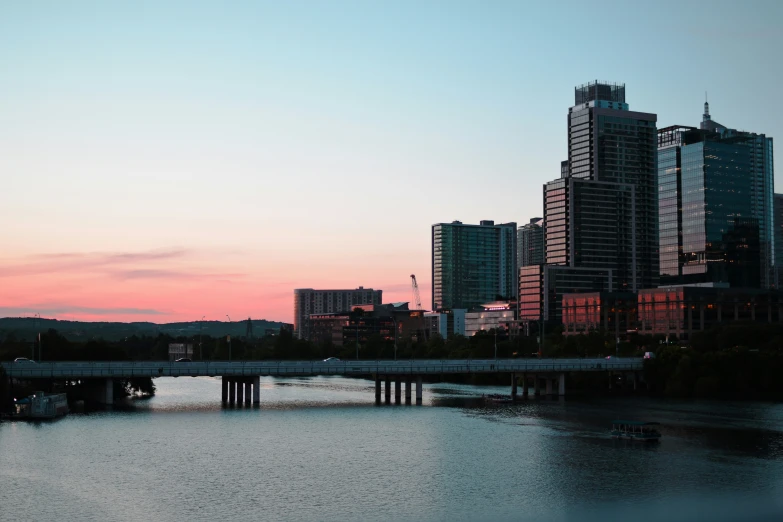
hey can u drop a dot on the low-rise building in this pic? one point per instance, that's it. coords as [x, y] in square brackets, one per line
[498, 315]
[613, 312]
[446, 323]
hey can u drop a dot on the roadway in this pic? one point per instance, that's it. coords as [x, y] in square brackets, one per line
[93, 369]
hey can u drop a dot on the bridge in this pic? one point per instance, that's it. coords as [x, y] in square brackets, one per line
[241, 378]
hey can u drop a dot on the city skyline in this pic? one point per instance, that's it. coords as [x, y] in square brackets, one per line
[163, 167]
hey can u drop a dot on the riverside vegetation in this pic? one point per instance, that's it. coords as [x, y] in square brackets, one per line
[738, 360]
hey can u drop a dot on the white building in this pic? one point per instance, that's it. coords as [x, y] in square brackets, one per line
[308, 301]
[447, 323]
[500, 315]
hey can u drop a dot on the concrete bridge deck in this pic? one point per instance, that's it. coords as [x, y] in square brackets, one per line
[86, 370]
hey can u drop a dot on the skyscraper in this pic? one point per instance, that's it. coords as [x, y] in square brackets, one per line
[308, 301]
[711, 181]
[601, 215]
[777, 221]
[530, 243]
[473, 264]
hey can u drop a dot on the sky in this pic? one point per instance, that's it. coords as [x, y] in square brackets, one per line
[164, 161]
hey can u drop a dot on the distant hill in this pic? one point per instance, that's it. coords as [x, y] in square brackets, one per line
[28, 327]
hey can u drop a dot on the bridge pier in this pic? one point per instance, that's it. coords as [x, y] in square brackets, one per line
[232, 390]
[387, 390]
[548, 386]
[611, 380]
[256, 390]
[377, 389]
[524, 386]
[634, 379]
[418, 389]
[397, 389]
[240, 391]
[561, 385]
[108, 392]
[248, 387]
[513, 387]
[408, 389]
[536, 391]
[224, 383]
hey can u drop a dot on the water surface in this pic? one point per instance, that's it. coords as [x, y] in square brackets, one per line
[319, 449]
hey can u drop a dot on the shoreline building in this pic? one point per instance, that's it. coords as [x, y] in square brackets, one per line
[473, 264]
[530, 243]
[716, 205]
[308, 301]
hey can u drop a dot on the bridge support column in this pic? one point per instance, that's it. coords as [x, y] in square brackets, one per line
[536, 391]
[248, 387]
[408, 390]
[635, 380]
[611, 380]
[387, 390]
[256, 390]
[224, 385]
[232, 390]
[548, 386]
[240, 391]
[513, 387]
[418, 389]
[397, 389]
[561, 385]
[524, 386]
[377, 389]
[108, 392]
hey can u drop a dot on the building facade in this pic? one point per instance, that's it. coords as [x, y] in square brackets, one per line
[446, 323]
[602, 213]
[715, 192]
[683, 310]
[530, 243]
[308, 302]
[612, 312]
[473, 264]
[777, 221]
[498, 315]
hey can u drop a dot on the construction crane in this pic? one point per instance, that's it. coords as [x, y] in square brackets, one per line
[416, 296]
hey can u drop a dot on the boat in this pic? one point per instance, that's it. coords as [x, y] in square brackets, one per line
[495, 397]
[635, 430]
[41, 405]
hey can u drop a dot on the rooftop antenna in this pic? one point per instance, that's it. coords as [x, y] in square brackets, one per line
[706, 107]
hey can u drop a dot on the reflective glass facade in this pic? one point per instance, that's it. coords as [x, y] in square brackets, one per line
[714, 206]
[530, 243]
[777, 221]
[473, 264]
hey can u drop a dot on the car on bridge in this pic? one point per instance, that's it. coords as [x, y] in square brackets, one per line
[183, 359]
[331, 359]
[23, 360]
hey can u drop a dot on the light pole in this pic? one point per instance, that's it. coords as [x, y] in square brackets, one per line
[229, 338]
[38, 334]
[394, 320]
[200, 351]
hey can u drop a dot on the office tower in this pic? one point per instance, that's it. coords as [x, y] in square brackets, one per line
[473, 264]
[777, 221]
[308, 301]
[711, 180]
[530, 243]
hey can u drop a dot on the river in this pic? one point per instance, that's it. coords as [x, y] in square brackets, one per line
[319, 449]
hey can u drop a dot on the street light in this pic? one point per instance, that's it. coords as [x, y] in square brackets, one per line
[229, 338]
[200, 351]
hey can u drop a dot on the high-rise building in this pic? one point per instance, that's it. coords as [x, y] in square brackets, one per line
[711, 180]
[777, 221]
[308, 301]
[530, 243]
[473, 264]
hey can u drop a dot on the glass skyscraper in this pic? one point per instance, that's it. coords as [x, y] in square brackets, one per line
[715, 202]
[473, 264]
[530, 243]
[777, 221]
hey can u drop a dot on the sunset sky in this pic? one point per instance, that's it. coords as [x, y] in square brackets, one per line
[167, 160]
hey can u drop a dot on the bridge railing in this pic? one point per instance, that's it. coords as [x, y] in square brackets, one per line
[126, 369]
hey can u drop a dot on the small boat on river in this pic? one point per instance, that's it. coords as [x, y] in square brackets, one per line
[635, 430]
